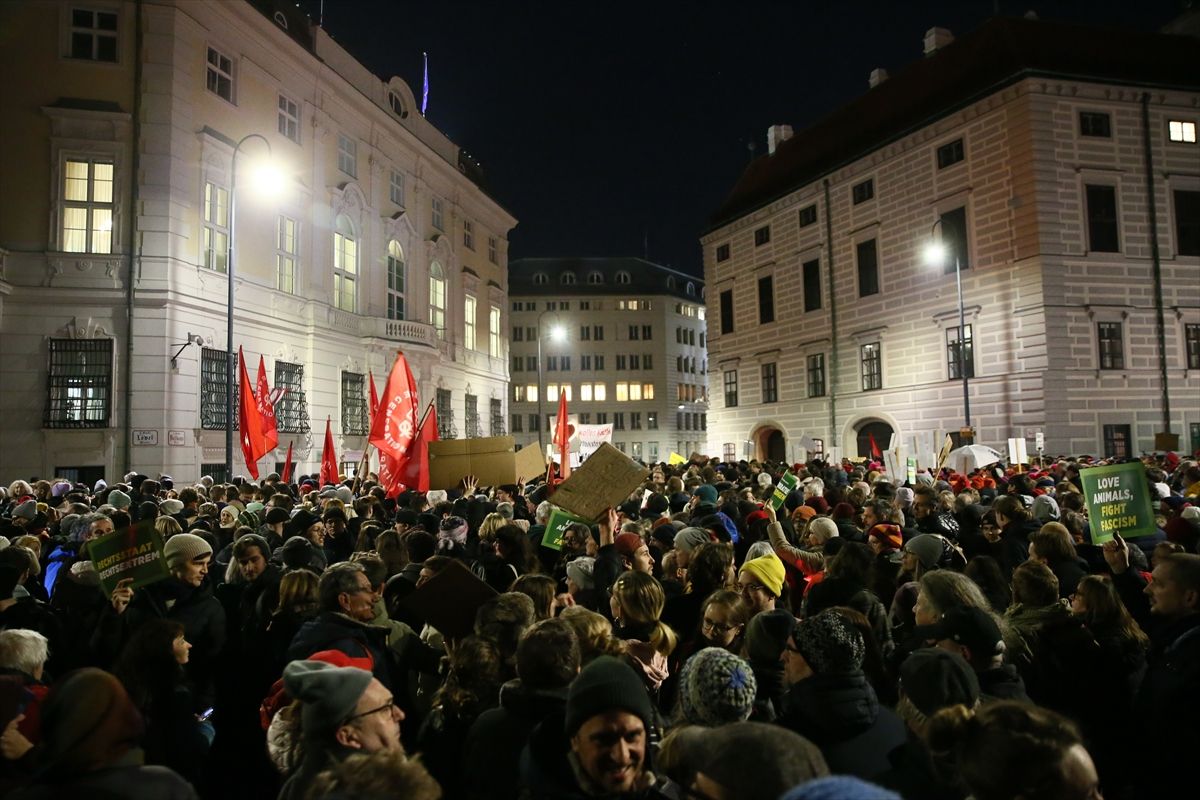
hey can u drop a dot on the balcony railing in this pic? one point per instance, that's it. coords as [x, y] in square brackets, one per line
[400, 330]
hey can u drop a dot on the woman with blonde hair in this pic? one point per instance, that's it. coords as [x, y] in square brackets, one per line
[636, 602]
[595, 634]
[167, 527]
[490, 525]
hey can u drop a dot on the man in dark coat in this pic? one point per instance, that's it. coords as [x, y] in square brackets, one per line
[973, 634]
[547, 662]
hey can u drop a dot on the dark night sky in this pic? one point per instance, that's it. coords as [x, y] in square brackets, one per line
[617, 128]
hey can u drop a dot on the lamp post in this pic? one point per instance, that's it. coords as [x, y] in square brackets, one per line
[935, 255]
[557, 334]
[266, 179]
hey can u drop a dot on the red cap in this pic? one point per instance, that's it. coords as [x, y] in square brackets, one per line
[628, 543]
[340, 659]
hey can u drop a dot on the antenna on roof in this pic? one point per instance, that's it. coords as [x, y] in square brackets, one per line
[321, 17]
[751, 148]
[645, 243]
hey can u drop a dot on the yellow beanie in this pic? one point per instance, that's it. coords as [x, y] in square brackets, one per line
[769, 572]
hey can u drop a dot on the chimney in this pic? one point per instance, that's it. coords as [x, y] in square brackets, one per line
[878, 76]
[936, 39]
[777, 135]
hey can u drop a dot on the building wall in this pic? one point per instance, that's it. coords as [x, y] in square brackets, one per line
[665, 314]
[1029, 291]
[187, 135]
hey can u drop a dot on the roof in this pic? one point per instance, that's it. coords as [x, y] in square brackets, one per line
[645, 278]
[998, 53]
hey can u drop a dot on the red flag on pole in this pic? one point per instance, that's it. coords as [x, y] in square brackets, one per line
[416, 472]
[266, 408]
[250, 421]
[395, 426]
[287, 465]
[875, 452]
[562, 436]
[329, 467]
[374, 398]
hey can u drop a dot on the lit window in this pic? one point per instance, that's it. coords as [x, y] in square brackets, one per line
[494, 332]
[396, 188]
[396, 278]
[285, 255]
[437, 298]
[94, 35]
[622, 392]
[872, 367]
[289, 118]
[647, 391]
[345, 265]
[87, 214]
[1182, 131]
[219, 74]
[216, 227]
[79, 383]
[468, 322]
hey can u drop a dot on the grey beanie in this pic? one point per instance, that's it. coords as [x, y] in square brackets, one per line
[581, 571]
[715, 688]
[1045, 509]
[767, 635]
[329, 694]
[829, 643]
[927, 547]
[26, 510]
[118, 499]
[689, 539]
[184, 547]
[170, 507]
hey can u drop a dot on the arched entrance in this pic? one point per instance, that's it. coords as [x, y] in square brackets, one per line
[876, 430]
[770, 444]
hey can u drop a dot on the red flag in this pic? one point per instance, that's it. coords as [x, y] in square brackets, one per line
[250, 422]
[287, 465]
[329, 467]
[874, 447]
[266, 409]
[374, 398]
[562, 436]
[395, 426]
[416, 472]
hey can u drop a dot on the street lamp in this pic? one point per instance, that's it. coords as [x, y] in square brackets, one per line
[935, 255]
[558, 335]
[268, 181]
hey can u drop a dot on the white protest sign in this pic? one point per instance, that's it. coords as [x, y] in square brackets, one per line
[591, 437]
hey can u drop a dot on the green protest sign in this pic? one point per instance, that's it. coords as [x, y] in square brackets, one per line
[556, 525]
[135, 553]
[1118, 501]
[783, 489]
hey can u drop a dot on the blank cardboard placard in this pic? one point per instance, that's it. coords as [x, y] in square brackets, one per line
[448, 601]
[491, 460]
[530, 463]
[604, 481]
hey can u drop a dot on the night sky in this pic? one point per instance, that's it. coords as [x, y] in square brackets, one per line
[618, 128]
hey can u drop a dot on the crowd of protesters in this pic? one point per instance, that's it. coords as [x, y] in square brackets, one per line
[955, 636]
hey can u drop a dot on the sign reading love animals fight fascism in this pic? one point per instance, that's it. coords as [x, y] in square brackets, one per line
[1118, 500]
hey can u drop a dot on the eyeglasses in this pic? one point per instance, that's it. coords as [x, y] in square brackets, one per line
[388, 706]
[752, 587]
[716, 627]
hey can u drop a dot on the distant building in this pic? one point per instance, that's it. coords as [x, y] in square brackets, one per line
[121, 121]
[624, 337]
[1030, 146]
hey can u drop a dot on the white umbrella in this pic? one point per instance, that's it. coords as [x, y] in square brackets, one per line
[971, 457]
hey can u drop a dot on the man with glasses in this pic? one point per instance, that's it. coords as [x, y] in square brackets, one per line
[761, 583]
[346, 603]
[344, 711]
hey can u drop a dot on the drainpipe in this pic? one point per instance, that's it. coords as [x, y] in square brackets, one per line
[135, 245]
[1160, 323]
[833, 355]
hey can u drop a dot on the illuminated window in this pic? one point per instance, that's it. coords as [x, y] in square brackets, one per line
[87, 211]
[437, 298]
[469, 311]
[285, 255]
[494, 332]
[216, 227]
[345, 265]
[1182, 131]
[396, 278]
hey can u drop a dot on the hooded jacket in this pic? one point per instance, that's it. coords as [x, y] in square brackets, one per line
[333, 630]
[492, 754]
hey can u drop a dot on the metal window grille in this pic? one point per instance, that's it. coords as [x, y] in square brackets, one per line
[354, 404]
[1112, 351]
[79, 383]
[214, 376]
[471, 416]
[497, 412]
[291, 412]
[959, 354]
[445, 412]
[1117, 439]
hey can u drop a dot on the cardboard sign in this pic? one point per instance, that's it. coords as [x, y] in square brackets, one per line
[591, 437]
[675, 458]
[894, 465]
[783, 489]
[135, 553]
[603, 481]
[448, 601]
[943, 454]
[1118, 502]
[910, 471]
[491, 460]
[530, 462]
[556, 525]
[1017, 453]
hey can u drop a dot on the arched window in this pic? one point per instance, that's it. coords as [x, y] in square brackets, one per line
[671, 282]
[437, 298]
[623, 277]
[397, 105]
[691, 288]
[567, 279]
[540, 279]
[345, 264]
[395, 280]
[281, 20]
[595, 278]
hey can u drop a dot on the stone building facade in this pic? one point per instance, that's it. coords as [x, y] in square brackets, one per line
[1035, 166]
[113, 269]
[625, 337]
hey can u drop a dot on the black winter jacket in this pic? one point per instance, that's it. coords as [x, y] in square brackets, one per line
[492, 755]
[332, 630]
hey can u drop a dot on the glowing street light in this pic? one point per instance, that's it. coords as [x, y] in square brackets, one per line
[558, 335]
[935, 256]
